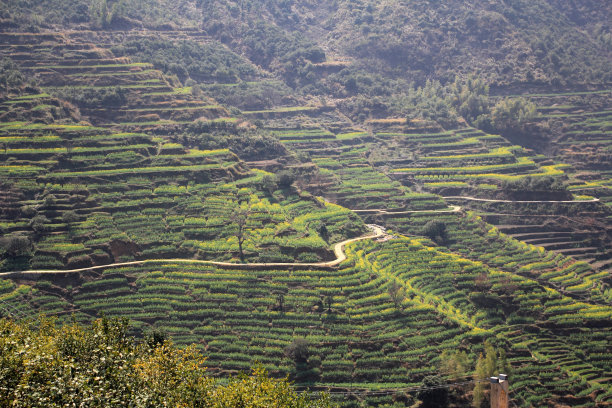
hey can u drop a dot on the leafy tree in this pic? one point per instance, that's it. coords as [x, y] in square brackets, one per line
[323, 232]
[268, 182]
[298, 350]
[92, 97]
[239, 219]
[11, 77]
[603, 36]
[529, 183]
[259, 391]
[431, 102]
[490, 363]
[39, 223]
[479, 374]
[46, 365]
[69, 217]
[455, 363]
[510, 115]
[49, 200]
[28, 211]
[397, 293]
[189, 60]
[106, 13]
[280, 301]
[155, 338]
[470, 98]
[285, 178]
[306, 362]
[249, 145]
[435, 230]
[16, 244]
[490, 359]
[329, 301]
[502, 363]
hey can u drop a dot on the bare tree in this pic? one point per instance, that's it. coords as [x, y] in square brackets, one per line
[239, 218]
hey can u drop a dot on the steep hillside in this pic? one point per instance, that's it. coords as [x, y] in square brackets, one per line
[506, 43]
[515, 42]
[368, 197]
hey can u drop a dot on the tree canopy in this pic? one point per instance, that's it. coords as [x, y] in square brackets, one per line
[43, 364]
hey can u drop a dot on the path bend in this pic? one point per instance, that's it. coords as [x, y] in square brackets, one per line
[377, 232]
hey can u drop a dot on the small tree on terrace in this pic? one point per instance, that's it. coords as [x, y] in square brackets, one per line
[15, 245]
[298, 351]
[70, 217]
[329, 301]
[397, 293]
[39, 223]
[436, 231]
[239, 218]
[280, 301]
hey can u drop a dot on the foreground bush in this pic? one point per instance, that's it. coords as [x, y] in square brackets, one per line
[47, 365]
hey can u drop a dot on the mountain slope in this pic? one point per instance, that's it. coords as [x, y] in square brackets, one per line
[195, 162]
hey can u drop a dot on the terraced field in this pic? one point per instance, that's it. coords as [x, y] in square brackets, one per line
[346, 176]
[109, 91]
[99, 164]
[578, 229]
[470, 162]
[583, 139]
[364, 340]
[465, 160]
[465, 163]
[576, 133]
[92, 196]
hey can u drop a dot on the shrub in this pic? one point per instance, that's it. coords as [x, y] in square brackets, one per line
[93, 97]
[69, 217]
[298, 351]
[435, 230]
[16, 244]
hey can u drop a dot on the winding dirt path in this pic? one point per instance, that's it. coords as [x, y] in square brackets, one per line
[491, 200]
[452, 209]
[377, 232]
